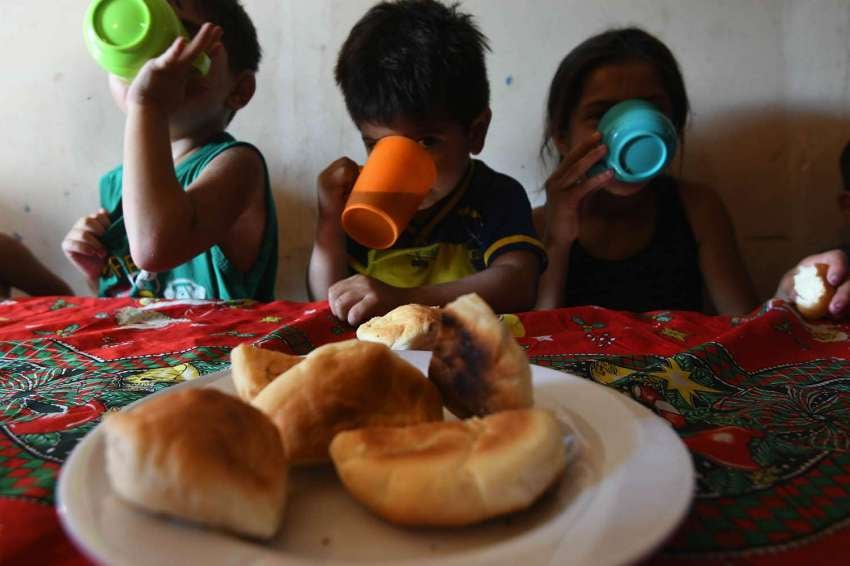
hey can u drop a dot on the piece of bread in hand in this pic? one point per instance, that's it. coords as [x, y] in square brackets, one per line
[812, 291]
[201, 455]
[254, 368]
[452, 473]
[477, 365]
[408, 327]
[343, 386]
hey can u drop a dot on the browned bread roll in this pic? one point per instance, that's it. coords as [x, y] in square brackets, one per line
[202, 455]
[343, 386]
[812, 291]
[253, 368]
[408, 327]
[452, 473]
[477, 365]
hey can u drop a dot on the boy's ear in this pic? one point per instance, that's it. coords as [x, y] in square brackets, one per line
[243, 91]
[478, 131]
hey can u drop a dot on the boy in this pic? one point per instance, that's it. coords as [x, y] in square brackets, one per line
[416, 68]
[190, 213]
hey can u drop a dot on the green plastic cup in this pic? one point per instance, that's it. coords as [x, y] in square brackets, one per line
[122, 35]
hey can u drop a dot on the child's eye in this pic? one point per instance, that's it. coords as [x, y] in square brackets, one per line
[428, 141]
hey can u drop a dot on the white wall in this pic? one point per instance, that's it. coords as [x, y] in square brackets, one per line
[768, 81]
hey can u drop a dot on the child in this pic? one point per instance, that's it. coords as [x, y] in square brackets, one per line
[190, 213]
[19, 269]
[837, 259]
[638, 247]
[416, 68]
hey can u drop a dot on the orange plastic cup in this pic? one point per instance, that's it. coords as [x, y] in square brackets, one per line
[388, 191]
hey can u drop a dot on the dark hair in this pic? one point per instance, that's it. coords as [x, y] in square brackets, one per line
[845, 166]
[611, 47]
[416, 58]
[239, 36]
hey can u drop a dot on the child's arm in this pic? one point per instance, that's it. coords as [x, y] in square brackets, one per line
[837, 275]
[167, 226]
[509, 284]
[566, 188]
[329, 259]
[83, 248]
[723, 269]
[20, 269]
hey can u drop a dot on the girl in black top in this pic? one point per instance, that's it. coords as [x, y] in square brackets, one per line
[665, 244]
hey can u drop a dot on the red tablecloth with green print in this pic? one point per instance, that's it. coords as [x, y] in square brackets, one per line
[762, 402]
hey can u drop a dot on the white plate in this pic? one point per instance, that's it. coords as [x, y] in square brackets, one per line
[628, 486]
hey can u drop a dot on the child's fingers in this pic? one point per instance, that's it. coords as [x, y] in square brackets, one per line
[206, 37]
[173, 53]
[101, 218]
[358, 312]
[341, 173]
[573, 172]
[592, 183]
[583, 147]
[840, 301]
[340, 299]
[85, 236]
[837, 262]
[81, 248]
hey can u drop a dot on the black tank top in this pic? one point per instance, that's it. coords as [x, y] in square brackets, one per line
[664, 275]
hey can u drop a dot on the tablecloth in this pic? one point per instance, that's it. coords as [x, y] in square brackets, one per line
[762, 402]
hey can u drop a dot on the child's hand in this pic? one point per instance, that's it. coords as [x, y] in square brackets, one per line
[568, 186]
[838, 276]
[335, 184]
[359, 298]
[82, 245]
[161, 82]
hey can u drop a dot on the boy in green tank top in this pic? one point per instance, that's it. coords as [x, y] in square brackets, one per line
[189, 214]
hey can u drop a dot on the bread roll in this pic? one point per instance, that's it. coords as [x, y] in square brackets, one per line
[253, 368]
[408, 327]
[343, 386]
[812, 290]
[202, 455]
[452, 473]
[477, 365]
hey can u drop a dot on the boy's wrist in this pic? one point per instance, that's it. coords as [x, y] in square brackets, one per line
[146, 110]
[329, 232]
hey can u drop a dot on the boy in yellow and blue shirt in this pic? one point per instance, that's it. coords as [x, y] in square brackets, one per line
[416, 68]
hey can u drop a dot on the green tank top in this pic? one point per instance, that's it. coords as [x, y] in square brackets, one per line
[208, 275]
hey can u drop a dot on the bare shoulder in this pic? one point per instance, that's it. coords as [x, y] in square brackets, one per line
[241, 163]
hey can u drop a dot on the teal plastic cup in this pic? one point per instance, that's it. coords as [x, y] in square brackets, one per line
[122, 35]
[640, 139]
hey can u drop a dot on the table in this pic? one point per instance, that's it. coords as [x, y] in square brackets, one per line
[762, 402]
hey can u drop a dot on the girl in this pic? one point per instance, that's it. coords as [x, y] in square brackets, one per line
[663, 244]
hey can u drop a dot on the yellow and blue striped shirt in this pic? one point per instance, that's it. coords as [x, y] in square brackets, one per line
[486, 215]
